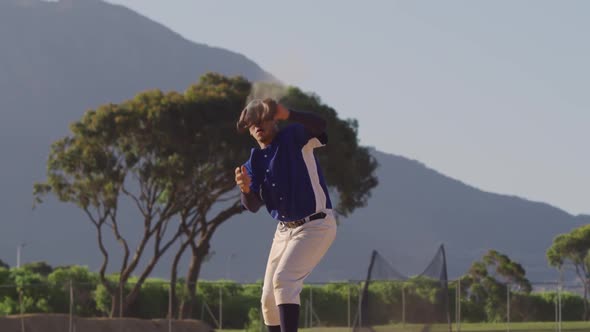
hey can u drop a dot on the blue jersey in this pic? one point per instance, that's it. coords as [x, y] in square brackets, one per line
[286, 174]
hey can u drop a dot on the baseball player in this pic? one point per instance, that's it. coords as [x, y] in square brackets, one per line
[283, 174]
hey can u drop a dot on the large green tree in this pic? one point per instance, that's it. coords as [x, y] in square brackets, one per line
[487, 281]
[573, 249]
[165, 154]
[349, 169]
[507, 271]
[172, 156]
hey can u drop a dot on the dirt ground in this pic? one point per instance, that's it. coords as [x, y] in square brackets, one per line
[61, 323]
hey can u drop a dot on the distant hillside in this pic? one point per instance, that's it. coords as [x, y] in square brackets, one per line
[58, 60]
[412, 211]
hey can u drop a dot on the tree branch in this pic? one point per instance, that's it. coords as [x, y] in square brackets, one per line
[135, 199]
[104, 252]
[121, 240]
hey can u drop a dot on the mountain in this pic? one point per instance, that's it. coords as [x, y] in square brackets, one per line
[59, 59]
[412, 211]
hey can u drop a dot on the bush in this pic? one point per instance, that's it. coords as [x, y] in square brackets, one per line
[254, 321]
[152, 301]
[83, 284]
[241, 303]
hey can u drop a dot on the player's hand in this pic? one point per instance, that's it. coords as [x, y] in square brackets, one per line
[282, 113]
[243, 179]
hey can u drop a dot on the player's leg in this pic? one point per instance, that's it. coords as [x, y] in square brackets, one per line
[305, 249]
[270, 311]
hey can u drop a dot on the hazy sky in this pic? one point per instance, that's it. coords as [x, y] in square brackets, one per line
[495, 93]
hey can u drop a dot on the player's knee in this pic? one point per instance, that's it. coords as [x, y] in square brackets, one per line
[267, 299]
[270, 311]
[278, 281]
[286, 288]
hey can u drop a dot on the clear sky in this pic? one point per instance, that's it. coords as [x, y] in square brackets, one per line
[493, 93]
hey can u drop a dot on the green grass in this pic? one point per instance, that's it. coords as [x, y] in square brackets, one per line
[528, 326]
[465, 327]
[475, 327]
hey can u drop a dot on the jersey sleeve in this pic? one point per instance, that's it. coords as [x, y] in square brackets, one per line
[313, 131]
[303, 137]
[254, 183]
[252, 201]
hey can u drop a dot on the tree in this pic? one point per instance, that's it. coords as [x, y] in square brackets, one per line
[349, 170]
[487, 282]
[173, 156]
[161, 152]
[4, 265]
[83, 283]
[508, 271]
[573, 249]
[33, 291]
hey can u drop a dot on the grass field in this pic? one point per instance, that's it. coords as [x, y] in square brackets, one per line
[467, 327]
[494, 327]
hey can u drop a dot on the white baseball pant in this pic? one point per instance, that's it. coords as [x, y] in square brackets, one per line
[294, 253]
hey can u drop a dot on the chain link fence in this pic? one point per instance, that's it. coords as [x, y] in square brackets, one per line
[336, 306]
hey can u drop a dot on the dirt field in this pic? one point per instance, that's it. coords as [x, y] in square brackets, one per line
[61, 323]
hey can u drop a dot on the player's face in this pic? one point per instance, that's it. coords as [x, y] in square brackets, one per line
[263, 132]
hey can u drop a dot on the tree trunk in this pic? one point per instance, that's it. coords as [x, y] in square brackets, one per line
[133, 294]
[172, 307]
[173, 279]
[199, 252]
[115, 304]
[188, 306]
[118, 304]
[586, 301]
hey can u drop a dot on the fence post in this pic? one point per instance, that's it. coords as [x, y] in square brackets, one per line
[203, 310]
[121, 292]
[120, 299]
[508, 307]
[221, 306]
[360, 304]
[348, 307]
[560, 290]
[310, 306]
[403, 304]
[169, 307]
[22, 310]
[459, 305]
[71, 323]
[306, 313]
[555, 301]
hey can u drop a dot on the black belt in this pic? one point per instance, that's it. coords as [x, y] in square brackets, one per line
[297, 223]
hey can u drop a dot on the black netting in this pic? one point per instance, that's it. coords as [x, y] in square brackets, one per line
[389, 299]
[437, 268]
[383, 270]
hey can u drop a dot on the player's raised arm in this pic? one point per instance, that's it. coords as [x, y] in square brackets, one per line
[314, 124]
